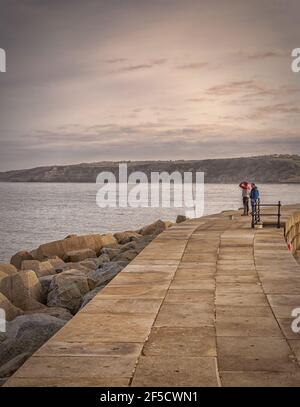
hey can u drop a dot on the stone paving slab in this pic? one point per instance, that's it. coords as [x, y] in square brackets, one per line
[72, 381]
[237, 287]
[141, 278]
[251, 278]
[123, 306]
[198, 276]
[278, 286]
[92, 348]
[107, 327]
[240, 300]
[162, 371]
[189, 296]
[64, 366]
[188, 341]
[248, 326]
[243, 311]
[193, 284]
[134, 291]
[260, 379]
[191, 314]
[257, 354]
[295, 346]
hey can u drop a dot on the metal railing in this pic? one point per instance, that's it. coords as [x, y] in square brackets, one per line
[256, 212]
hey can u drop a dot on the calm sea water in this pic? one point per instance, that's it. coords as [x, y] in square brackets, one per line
[35, 213]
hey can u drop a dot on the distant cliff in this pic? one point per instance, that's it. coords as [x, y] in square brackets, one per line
[261, 169]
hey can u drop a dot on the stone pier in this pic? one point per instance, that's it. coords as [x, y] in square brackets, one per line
[207, 303]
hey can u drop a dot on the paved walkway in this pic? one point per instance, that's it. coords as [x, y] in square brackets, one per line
[207, 303]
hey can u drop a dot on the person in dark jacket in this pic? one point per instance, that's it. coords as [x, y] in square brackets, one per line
[254, 196]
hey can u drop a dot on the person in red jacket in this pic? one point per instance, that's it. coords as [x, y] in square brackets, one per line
[246, 188]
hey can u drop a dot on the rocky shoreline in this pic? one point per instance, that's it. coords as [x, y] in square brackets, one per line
[42, 289]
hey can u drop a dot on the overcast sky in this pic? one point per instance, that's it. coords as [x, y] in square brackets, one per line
[93, 80]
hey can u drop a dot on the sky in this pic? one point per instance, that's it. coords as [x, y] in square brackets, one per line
[97, 80]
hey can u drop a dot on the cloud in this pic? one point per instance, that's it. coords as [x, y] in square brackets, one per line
[251, 89]
[233, 87]
[137, 66]
[199, 100]
[159, 61]
[274, 110]
[133, 68]
[260, 55]
[149, 140]
[194, 65]
[116, 60]
[145, 132]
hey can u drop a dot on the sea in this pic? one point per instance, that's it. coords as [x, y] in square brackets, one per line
[36, 213]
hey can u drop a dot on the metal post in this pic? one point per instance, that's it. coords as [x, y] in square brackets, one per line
[279, 214]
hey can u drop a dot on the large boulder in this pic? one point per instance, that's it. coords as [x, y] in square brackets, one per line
[79, 255]
[90, 295]
[127, 256]
[41, 268]
[68, 288]
[111, 252]
[77, 243]
[130, 250]
[60, 248]
[138, 245]
[90, 264]
[10, 367]
[2, 275]
[17, 259]
[126, 237]
[45, 284]
[71, 235]
[103, 258]
[108, 239]
[181, 218]
[129, 246]
[57, 263]
[107, 272]
[11, 312]
[8, 269]
[26, 333]
[48, 250]
[155, 228]
[81, 266]
[22, 289]
[57, 312]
